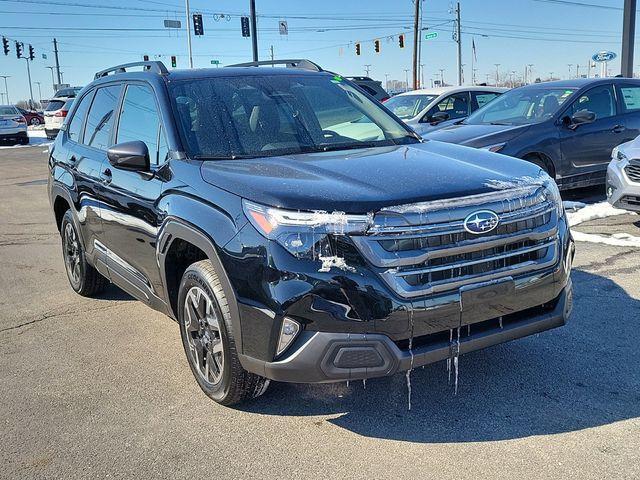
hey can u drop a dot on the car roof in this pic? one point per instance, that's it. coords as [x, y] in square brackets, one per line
[453, 89]
[184, 74]
[581, 82]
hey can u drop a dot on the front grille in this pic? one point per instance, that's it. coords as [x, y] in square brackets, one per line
[424, 248]
[633, 172]
[630, 200]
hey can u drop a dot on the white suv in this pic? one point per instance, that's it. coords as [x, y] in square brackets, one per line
[54, 115]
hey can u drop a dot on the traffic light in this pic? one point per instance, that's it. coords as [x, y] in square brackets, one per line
[18, 50]
[145, 58]
[174, 61]
[358, 49]
[5, 45]
[376, 46]
[198, 28]
[32, 53]
[401, 40]
[244, 24]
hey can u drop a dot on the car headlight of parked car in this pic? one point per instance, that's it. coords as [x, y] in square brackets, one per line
[616, 154]
[303, 234]
[553, 193]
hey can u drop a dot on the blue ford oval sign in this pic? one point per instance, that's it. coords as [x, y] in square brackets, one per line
[482, 221]
[603, 56]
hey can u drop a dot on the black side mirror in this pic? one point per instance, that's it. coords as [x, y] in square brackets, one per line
[439, 117]
[580, 118]
[130, 156]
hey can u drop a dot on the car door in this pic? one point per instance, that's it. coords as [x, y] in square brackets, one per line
[629, 102]
[86, 142]
[588, 146]
[130, 216]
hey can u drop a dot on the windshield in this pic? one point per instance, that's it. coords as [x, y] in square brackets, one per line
[522, 106]
[7, 110]
[54, 105]
[268, 115]
[408, 106]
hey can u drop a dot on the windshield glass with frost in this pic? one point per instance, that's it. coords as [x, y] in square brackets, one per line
[522, 106]
[268, 115]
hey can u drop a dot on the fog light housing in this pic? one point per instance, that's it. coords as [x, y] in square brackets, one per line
[288, 332]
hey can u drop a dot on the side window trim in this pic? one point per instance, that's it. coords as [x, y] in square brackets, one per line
[123, 93]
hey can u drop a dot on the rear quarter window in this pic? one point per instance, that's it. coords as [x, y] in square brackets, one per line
[54, 105]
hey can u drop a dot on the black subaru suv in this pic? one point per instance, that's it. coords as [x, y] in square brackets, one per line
[296, 229]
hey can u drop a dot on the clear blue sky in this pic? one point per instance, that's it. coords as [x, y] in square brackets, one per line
[547, 33]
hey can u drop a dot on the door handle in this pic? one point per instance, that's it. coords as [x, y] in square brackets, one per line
[106, 176]
[619, 129]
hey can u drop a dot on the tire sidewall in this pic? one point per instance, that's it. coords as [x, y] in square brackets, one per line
[68, 219]
[191, 278]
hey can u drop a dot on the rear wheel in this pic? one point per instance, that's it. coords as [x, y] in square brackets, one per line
[24, 141]
[208, 338]
[83, 278]
[35, 121]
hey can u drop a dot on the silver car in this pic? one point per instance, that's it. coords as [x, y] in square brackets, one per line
[13, 126]
[623, 176]
[428, 109]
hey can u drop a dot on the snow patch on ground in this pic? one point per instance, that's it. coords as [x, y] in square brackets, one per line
[585, 213]
[593, 212]
[36, 137]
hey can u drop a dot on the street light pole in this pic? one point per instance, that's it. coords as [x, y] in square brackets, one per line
[406, 79]
[39, 93]
[497, 73]
[29, 78]
[628, 37]
[254, 29]
[6, 89]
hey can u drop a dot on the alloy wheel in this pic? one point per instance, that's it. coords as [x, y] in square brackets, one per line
[202, 327]
[72, 254]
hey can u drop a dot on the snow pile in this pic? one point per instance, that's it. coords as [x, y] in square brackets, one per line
[593, 212]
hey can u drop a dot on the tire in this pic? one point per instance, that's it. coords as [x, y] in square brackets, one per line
[208, 338]
[35, 121]
[83, 278]
[24, 141]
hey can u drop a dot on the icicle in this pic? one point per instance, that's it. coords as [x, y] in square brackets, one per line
[468, 330]
[449, 359]
[500, 321]
[408, 374]
[364, 383]
[455, 362]
[347, 383]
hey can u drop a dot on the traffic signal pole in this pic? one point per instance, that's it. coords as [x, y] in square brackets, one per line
[30, 86]
[459, 40]
[254, 30]
[628, 34]
[189, 33]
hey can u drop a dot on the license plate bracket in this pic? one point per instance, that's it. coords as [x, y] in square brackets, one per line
[483, 301]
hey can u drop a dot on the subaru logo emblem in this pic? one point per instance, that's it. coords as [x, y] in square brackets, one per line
[482, 221]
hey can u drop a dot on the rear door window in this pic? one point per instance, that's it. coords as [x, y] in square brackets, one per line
[99, 124]
[480, 99]
[630, 95]
[75, 126]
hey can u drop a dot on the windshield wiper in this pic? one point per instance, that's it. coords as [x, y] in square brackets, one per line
[345, 146]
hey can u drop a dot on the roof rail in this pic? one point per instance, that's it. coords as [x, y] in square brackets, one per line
[155, 66]
[290, 63]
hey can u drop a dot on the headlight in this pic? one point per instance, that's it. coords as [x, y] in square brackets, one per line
[616, 154]
[303, 233]
[494, 148]
[553, 193]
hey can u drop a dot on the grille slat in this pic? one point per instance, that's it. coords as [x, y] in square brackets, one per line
[633, 172]
[421, 258]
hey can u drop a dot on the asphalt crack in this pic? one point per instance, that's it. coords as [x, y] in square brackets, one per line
[53, 314]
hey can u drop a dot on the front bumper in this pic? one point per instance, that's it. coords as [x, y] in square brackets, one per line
[621, 191]
[333, 357]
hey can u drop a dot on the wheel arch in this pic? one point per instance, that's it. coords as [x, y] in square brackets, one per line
[60, 206]
[178, 236]
[542, 159]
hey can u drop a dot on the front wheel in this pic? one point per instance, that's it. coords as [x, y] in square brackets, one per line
[208, 338]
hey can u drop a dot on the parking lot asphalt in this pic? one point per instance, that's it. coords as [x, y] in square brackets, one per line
[101, 388]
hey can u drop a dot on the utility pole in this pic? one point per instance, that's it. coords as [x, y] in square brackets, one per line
[55, 51]
[442, 77]
[254, 29]
[416, 34]
[271, 50]
[6, 89]
[367, 67]
[628, 37]
[497, 73]
[188, 19]
[530, 65]
[577, 71]
[459, 40]
[406, 79]
[422, 75]
[570, 65]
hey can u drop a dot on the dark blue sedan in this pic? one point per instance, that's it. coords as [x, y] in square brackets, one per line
[567, 127]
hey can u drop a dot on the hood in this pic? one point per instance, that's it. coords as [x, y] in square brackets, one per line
[365, 180]
[477, 135]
